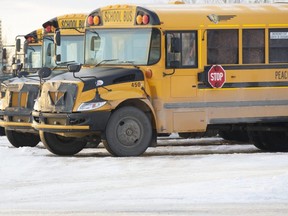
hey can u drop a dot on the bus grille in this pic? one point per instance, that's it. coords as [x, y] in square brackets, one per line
[25, 97]
[60, 99]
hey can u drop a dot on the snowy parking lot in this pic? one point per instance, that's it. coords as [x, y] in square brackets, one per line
[205, 176]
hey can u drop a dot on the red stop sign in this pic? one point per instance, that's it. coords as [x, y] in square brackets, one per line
[216, 76]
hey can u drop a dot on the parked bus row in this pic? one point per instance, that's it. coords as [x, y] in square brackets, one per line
[126, 74]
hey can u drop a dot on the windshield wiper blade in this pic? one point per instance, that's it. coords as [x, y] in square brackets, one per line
[129, 62]
[105, 60]
[65, 63]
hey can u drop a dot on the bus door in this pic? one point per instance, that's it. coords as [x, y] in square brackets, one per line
[182, 64]
[181, 59]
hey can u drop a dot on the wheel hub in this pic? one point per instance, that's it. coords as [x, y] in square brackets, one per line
[128, 132]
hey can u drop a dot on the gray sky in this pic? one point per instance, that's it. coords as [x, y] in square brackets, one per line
[20, 17]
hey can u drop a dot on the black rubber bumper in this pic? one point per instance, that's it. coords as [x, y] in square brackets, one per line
[96, 121]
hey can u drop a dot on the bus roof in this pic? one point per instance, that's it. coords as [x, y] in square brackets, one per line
[222, 15]
[34, 36]
[176, 16]
[68, 21]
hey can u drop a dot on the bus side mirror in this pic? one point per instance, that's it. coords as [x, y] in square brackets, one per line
[18, 45]
[175, 45]
[57, 38]
[4, 53]
[58, 58]
[44, 72]
[25, 47]
[49, 50]
[74, 68]
[95, 43]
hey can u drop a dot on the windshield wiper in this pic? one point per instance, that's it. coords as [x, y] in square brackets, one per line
[104, 61]
[129, 62]
[65, 63]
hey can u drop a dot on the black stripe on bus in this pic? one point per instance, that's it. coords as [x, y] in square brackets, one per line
[248, 120]
[247, 85]
[252, 67]
[225, 104]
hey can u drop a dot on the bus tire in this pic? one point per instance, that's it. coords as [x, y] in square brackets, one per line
[275, 141]
[256, 138]
[2, 131]
[240, 136]
[59, 145]
[128, 132]
[18, 139]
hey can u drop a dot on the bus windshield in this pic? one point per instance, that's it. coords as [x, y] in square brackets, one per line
[34, 57]
[71, 50]
[122, 46]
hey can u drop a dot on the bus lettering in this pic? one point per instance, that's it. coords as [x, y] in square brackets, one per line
[112, 16]
[127, 16]
[69, 23]
[216, 76]
[281, 75]
[118, 16]
[81, 24]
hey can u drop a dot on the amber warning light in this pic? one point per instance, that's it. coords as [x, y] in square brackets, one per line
[93, 20]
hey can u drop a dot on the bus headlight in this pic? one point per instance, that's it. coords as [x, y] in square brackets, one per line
[91, 106]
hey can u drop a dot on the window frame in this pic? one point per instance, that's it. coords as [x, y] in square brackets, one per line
[181, 65]
[216, 48]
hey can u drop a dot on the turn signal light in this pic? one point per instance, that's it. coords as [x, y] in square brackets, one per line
[93, 20]
[142, 19]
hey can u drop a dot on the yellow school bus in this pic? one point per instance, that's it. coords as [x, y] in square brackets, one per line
[22, 92]
[31, 53]
[172, 68]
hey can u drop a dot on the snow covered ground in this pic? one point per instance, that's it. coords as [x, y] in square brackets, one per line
[180, 177]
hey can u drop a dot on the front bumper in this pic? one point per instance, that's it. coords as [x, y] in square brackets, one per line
[70, 122]
[16, 119]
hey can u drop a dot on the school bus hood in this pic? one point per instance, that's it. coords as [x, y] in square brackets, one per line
[107, 76]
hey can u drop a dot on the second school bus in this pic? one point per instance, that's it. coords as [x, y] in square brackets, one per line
[172, 68]
[23, 91]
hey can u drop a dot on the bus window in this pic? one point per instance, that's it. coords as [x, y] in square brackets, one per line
[119, 45]
[181, 49]
[253, 46]
[155, 47]
[71, 49]
[34, 57]
[222, 47]
[278, 46]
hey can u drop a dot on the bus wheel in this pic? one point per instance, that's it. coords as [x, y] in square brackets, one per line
[128, 132]
[241, 136]
[2, 131]
[61, 145]
[256, 138]
[275, 141]
[18, 139]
